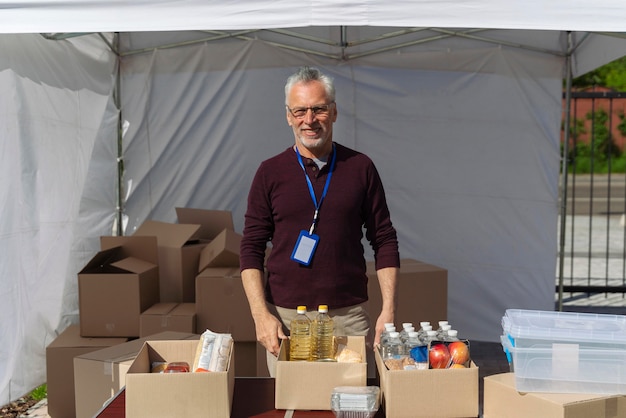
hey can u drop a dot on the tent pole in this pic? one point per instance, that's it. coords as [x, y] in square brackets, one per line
[120, 145]
[564, 163]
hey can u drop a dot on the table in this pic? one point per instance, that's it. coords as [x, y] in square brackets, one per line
[253, 397]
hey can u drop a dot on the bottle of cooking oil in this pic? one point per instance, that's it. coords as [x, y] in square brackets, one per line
[322, 331]
[300, 336]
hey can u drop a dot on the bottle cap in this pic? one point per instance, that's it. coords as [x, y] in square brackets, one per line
[301, 309]
[323, 308]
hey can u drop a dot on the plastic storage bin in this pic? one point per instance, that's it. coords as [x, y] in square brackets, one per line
[566, 352]
[355, 401]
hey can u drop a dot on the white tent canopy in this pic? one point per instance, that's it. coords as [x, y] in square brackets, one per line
[458, 103]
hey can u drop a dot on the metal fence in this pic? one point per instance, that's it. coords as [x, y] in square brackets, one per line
[592, 258]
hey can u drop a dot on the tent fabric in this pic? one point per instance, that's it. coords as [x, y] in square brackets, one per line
[462, 124]
[25, 16]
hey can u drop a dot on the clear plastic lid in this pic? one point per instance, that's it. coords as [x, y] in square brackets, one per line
[565, 326]
[355, 398]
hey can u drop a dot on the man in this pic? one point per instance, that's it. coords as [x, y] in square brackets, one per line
[311, 202]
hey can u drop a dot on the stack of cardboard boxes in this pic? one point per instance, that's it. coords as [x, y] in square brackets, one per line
[135, 290]
[173, 281]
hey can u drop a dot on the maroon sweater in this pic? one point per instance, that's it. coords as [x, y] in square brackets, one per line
[280, 206]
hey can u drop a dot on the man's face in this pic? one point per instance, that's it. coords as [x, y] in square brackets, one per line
[313, 130]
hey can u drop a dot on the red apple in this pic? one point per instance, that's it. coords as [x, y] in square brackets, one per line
[438, 356]
[459, 352]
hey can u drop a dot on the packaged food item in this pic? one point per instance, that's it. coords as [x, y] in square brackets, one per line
[448, 354]
[355, 401]
[346, 355]
[177, 367]
[158, 366]
[213, 352]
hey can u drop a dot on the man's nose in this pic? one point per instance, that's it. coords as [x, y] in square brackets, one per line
[309, 116]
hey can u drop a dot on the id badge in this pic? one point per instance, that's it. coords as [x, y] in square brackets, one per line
[305, 248]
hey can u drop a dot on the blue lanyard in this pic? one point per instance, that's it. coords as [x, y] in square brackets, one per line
[311, 191]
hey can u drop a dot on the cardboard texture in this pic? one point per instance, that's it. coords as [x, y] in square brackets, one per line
[178, 258]
[211, 222]
[179, 247]
[99, 375]
[116, 286]
[245, 358]
[60, 355]
[502, 400]
[222, 251]
[429, 393]
[221, 304]
[422, 292]
[168, 316]
[308, 385]
[176, 394]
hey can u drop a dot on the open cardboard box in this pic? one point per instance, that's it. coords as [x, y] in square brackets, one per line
[308, 385]
[501, 399]
[180, 245]
[429, 393]
[99, 375]
[193, 394]
[117, 285]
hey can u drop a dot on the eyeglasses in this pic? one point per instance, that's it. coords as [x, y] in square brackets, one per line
[318, 110]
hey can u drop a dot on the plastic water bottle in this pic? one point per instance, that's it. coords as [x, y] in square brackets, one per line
[406, 328]
[452, 335]
[417, 350]
[425, 327]
[300, 336]
[442, 332]
[393, 349]
[384, 336]
[322, 331]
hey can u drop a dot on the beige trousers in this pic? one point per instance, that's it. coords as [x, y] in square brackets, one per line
[353, 320]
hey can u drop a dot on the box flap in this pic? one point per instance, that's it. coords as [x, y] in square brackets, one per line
[223, 251]
[101, 259]
[128, 350]
[133, 265]
[143, 248]
[211, 222]
[167, 234]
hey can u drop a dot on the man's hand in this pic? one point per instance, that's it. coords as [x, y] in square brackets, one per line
[269, 332]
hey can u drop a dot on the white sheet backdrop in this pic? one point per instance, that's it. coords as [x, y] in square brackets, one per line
[465, 134]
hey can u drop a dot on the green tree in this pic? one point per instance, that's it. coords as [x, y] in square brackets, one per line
[611, 75]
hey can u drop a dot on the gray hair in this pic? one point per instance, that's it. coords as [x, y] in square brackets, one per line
[307, 74]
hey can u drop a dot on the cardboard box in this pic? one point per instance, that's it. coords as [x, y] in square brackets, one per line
[99, 375]
[502, 400]
[221, 304]
[422, 293]
[177, 394]
[180, 245]
[60, 355]
[211, 222]
[308, 385]
[222, 251]
[429, 393]
[168, 316]
[179, 251]
[116, 286]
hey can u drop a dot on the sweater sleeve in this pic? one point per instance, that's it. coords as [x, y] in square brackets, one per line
[258, 226]
[380, 231]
